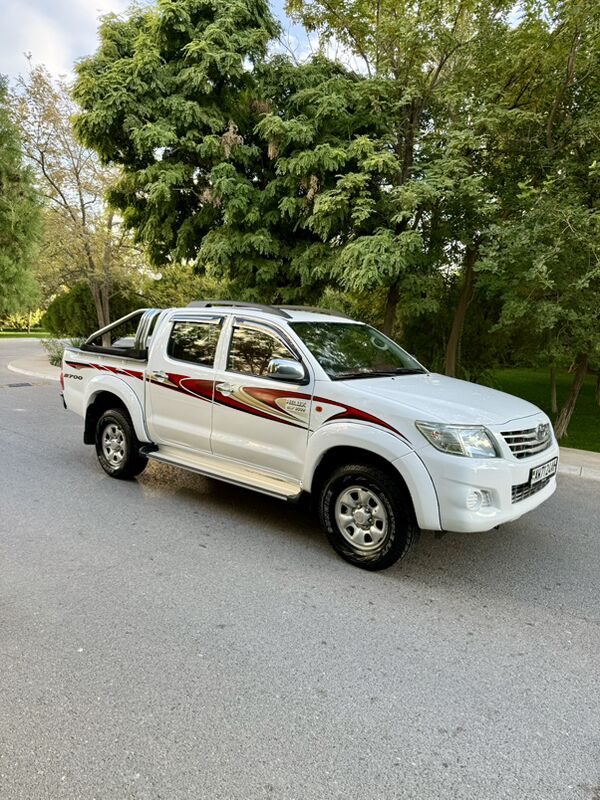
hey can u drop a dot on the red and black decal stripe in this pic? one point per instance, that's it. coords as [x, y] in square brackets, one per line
[200, 389]
[128, 373]
[266, 399]
[355, 414]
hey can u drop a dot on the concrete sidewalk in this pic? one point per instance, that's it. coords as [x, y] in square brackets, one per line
[582, 463]
[36, 367]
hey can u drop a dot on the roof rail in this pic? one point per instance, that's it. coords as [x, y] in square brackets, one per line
[316, 310]
[238, 304]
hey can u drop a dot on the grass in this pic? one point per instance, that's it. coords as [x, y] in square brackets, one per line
[24, 335]
[534, 385]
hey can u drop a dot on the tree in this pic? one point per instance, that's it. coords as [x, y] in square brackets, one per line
[84, 239]
[547, 251]
[170, 96]
[283, 178]
[434, 67]
[19, 218]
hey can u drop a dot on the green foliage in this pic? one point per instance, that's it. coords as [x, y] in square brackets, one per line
[534, 385]
[545, 254]
[84, 239]
[482, 346]
[56, 347]
[19, 218]
[179, 284]
[169, 97]
[22, 320]
[73, 313]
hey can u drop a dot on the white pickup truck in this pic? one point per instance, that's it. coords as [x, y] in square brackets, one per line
[292, 401]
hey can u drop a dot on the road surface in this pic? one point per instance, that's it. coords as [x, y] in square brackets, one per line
[177, 638]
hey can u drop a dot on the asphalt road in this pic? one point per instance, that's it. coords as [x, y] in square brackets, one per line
[177, 638]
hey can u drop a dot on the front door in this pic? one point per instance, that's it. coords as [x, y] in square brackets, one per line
[179, 386]
[259, 420]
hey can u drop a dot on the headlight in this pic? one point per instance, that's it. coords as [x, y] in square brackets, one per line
[460, 440]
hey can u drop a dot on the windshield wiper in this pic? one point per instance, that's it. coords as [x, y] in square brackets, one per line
[375, 373]
[410, 371]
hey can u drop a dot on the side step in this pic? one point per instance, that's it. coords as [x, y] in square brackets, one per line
[226, 470]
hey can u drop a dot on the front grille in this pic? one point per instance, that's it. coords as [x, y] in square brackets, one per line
[524, 490]
[528, 442]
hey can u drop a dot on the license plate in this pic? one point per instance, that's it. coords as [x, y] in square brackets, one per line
[543, 471]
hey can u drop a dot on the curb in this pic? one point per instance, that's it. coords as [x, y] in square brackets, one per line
[32, 374]
[581, 472]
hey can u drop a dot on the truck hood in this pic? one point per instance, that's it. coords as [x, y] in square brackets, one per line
[438, 398]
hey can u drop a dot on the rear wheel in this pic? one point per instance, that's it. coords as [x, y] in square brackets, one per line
[117, 446]
[367, 516]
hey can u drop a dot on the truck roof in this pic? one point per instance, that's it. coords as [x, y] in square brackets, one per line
[259, 310]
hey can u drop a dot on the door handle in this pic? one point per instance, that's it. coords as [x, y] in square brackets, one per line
[159, 375]
[225, 388]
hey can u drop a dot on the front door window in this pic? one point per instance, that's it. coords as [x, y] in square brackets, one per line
[251, 349]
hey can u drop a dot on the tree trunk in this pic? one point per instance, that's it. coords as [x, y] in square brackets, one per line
[562, 422]
[391, 306]
[103, 319]
[464, 301]
[105, 300]
[553, 399]
[107, 267]
[99, 280]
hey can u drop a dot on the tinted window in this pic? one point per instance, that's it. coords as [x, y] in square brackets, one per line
[251, 350]
[350, 350]
[194, 341]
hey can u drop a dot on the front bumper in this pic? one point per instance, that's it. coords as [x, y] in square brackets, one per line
[500, 480]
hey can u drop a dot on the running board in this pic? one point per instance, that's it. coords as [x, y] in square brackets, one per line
[231, 472]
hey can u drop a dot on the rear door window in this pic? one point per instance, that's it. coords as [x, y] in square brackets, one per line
[194, 342]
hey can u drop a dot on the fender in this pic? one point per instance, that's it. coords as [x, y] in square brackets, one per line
[422, 490]
[122, 390]
[398, 453]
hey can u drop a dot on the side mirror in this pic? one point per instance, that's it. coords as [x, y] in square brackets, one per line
[285, 369]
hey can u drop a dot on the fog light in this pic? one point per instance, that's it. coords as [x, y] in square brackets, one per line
[478, 498]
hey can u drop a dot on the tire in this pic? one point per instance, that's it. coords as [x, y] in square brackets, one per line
[367, 516]
[117, 446]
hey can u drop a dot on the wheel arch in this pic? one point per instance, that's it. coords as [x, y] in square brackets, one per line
[112, 393]
[333, 446]
[339, 455]
[348, 438]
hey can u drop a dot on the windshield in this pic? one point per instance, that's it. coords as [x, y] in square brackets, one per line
[351, 350]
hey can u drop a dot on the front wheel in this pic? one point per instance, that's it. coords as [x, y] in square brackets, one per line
[367, 516]
[117, 446]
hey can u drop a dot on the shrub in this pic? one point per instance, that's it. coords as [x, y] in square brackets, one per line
[56, 347]
[22, 321]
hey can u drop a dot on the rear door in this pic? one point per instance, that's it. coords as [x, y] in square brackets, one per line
[180, 382]
[259, 420]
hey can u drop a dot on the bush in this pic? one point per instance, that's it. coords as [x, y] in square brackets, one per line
[22, 321]
[73, 313]
[56, 347]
